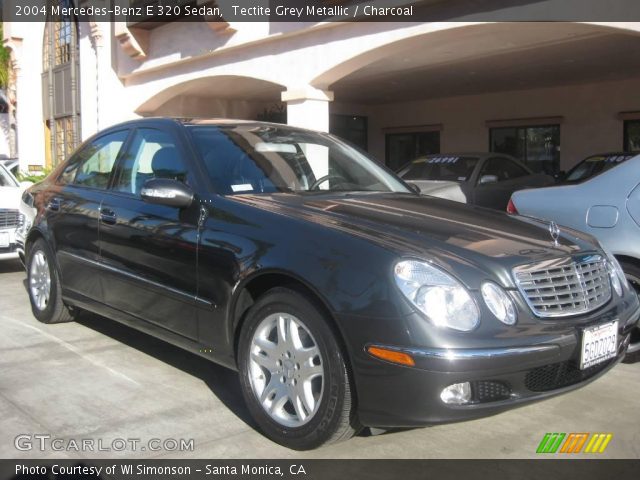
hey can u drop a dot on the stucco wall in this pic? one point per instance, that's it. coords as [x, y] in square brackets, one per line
[590, 123]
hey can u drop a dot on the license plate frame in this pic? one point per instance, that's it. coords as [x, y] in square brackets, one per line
[599, 344]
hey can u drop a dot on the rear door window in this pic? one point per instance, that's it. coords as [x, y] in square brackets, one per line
[93, 164]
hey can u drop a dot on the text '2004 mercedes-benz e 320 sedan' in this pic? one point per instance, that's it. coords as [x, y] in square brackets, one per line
[342, 297]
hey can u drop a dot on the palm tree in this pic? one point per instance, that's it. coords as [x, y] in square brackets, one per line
[4, 63]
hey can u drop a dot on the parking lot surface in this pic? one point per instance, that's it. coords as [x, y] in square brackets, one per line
[96, 379]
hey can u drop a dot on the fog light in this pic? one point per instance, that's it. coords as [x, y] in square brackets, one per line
[456, 394]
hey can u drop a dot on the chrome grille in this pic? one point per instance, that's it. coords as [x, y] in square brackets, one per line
[563, 287]
[9, 218]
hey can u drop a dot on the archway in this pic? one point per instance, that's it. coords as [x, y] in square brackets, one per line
[223, 96]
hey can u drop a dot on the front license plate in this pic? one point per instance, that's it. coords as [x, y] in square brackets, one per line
[4, 239]
[599, 344]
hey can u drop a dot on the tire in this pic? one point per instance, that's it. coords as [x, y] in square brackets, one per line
[632, 272]
[43, 285]
[309, 391]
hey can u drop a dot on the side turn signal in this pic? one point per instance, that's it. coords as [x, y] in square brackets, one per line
[392, 356]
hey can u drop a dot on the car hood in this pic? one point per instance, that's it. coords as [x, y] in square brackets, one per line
[455, 235]
[10, 197]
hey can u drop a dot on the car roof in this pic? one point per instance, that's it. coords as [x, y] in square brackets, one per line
[191, 121]
[199, 121]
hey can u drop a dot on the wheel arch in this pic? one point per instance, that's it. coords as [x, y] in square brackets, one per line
[628, 260]
[254, 286]
[33, 235]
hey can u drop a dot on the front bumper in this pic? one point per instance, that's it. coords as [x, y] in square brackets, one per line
[501, 378]
[9, 250]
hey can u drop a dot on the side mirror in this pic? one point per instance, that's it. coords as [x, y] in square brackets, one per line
[415, 188]
[484, 179]
[164, 191]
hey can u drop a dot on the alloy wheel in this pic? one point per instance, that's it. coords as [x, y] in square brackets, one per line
[40, 280]
[286, 370]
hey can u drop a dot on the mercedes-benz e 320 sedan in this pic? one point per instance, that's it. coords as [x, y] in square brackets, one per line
[343, 298]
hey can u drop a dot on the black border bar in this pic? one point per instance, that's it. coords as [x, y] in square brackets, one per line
[539, 469]
[139, 12]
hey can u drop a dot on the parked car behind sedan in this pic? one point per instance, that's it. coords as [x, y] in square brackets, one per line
[601, 196]
[11, 164]
[10, 217]
[342, 297]
[483, 179]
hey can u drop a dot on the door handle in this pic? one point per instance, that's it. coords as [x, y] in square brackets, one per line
[108, 216]
[54, 204]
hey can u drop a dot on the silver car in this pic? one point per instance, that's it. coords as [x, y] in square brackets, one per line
[10, 217]
[483, 179]
[600, 196]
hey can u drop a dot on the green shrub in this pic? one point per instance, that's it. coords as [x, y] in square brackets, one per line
[34, 177]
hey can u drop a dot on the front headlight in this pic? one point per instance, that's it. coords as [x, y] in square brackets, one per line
[443, 300]
[499, 303]
[616, 274]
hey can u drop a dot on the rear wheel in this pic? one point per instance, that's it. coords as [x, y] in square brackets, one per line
[45, 292]
[632, 272]
[293, 373]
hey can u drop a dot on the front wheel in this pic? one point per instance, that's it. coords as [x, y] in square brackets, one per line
[632, 272]
[45, 291]
[293, 373]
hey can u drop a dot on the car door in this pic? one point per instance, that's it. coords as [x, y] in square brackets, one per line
[71, 211]
[498, 178]
[150, 251]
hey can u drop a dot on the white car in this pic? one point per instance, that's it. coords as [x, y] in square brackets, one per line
[10, 217]
[600, 196]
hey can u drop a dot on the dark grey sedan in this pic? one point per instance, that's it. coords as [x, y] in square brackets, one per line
[484, 179]
[343, 299]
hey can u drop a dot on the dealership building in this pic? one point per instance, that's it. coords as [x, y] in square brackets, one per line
[548, 93]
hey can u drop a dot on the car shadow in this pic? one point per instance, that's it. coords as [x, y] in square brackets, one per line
[11, 266]
[223, 382]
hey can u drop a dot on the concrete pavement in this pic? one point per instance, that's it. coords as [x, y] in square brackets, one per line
[96, 379]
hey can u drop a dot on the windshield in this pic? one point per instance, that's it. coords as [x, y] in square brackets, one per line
[266, 159]
[592, 166]
[446, 168]
[6, 179]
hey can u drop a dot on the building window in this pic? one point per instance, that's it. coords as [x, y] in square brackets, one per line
[64, 137]
[352, 128]
[536, 146]
[402, 148]
[632, 136]
[60, 84]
